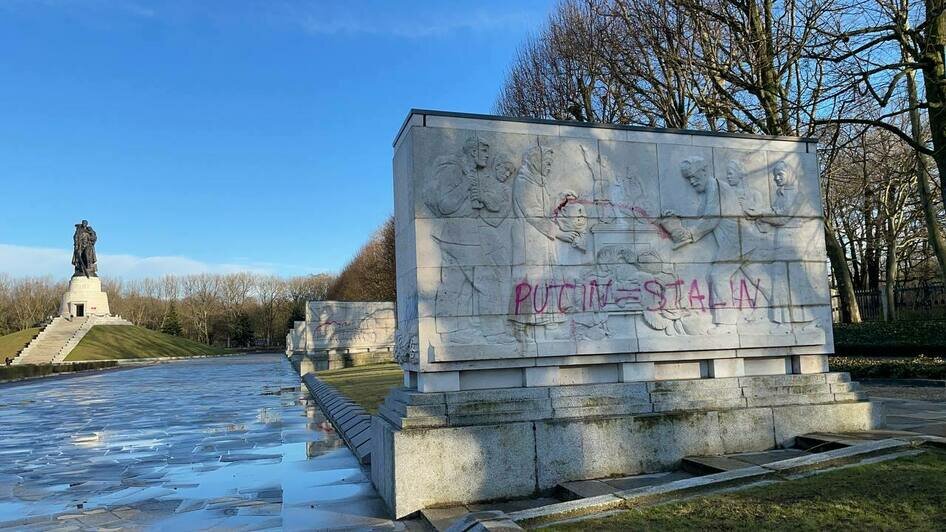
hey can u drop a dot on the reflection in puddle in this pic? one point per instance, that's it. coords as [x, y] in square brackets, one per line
[222, 457]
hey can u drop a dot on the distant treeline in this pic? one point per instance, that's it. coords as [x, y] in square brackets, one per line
[232, 310]
[370, 275]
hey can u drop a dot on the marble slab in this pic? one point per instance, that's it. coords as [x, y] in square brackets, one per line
[332, 325]
[523, 241]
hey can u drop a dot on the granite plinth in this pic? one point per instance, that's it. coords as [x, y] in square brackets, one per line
[85, 297]
[463, 447]
[350, 358]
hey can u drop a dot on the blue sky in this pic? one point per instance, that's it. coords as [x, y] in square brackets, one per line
[225, 135]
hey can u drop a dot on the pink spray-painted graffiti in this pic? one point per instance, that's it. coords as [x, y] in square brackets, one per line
[342, 324]
[607, 294]
[634, 210]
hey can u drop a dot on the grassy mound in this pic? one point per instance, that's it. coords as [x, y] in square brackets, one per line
[365, 385]
[11, 343]
[113, 342]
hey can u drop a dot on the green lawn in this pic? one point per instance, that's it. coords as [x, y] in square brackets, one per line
[112, 342]
[365, 385]
[11, 343]
[904, 494]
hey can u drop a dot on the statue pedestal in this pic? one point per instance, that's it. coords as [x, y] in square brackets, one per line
[84, 298]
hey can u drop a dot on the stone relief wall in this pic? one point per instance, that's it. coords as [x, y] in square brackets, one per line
[295, 338]
[516, 246]
[349, 325]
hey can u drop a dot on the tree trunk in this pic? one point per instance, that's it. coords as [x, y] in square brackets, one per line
[890, 284]
[850, 312]
[934, 81]
[934, 232]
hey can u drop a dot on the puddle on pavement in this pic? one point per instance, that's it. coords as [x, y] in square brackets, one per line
[158, 447]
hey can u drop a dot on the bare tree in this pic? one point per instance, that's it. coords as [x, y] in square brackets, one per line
[370, 276]
[201, 299]
[235, 290]
[33, 300]
[270, 292]
[6, 302]
[877, 47]
[728, 65]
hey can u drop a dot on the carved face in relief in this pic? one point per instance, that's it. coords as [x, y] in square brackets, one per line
[693, 169]
[504, 171]
[782, 175]
[546, 162]
[735, 173]
[538, 161]
[572, 217]
[478, 150]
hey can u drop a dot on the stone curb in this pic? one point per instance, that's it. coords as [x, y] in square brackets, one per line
[632, 498]
[351, 421]
[917, 383]
[485, 521]
[60, 375]
[132, 361]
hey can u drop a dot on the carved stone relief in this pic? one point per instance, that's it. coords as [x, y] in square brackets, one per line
[548, 245]
[347, 325]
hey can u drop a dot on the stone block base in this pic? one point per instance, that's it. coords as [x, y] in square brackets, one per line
[84, 293]
[464, 447]
[295, 360]
[337, 359]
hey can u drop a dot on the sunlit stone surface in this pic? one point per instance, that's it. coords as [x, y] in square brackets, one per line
[524, 245]
[227, 444]
[584, 302]
[355, 325]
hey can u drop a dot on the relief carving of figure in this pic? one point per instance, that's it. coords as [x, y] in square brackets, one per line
[570, 217]
[728, 258]
[83, 250]
[406, 349]
[737, 196]
[535, 234]
[790, 231]
[466, 187]
[748, 200]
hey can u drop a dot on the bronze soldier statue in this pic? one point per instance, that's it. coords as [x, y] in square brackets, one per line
[83, 250]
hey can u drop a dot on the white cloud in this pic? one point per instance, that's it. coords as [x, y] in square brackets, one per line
[23, 261]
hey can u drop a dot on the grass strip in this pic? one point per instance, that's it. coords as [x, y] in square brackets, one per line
[904, 494]
[365, 385]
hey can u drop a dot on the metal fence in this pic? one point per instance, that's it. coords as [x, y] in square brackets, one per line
[924, 300]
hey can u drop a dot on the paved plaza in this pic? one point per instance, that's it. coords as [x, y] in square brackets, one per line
[227, 443]
[913, 409]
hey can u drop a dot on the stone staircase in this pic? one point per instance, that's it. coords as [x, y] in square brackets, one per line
[60, 337]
